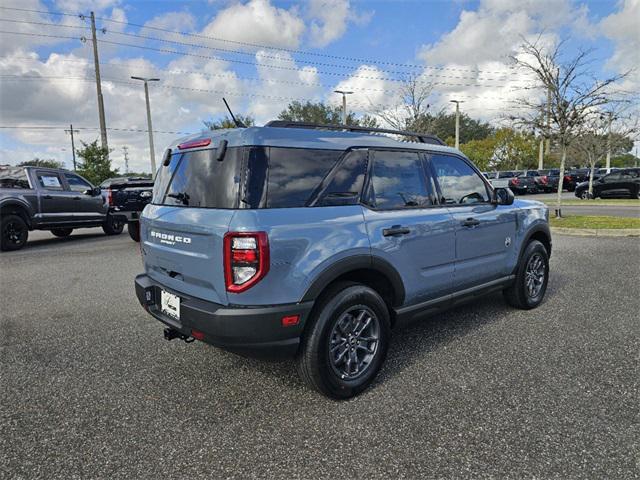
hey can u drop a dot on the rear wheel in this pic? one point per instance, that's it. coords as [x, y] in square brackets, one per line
[113, 225]
[530, 285]
[345, 342]
[62, 232]
[134, 230]
[14, 233]
[585, 195]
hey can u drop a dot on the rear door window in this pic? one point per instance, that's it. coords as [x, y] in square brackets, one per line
[295, 173]
[50, 181]
[198, 179]
[346, 182]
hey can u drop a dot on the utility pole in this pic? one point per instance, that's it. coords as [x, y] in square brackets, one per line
[344, 104]
[73, 146]
[541, 154]
[125, 149]
[610, 120]
[149, 127]
[457, 102]
[103, 123]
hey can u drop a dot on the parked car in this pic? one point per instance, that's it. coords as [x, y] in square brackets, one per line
[502, 179]
[35, 198]
[620, 183]
[314, 241]
[127, 197]
[549, 180]
[524, 183]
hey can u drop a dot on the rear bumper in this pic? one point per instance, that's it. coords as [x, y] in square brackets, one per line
[251, 331]
[126, 215]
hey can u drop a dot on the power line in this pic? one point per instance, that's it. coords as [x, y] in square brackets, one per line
[296, 51]
[44, 12]
[51, 127]
[48, 24]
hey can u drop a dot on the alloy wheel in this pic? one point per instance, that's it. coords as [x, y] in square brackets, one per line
[353, 342]
[534, 275]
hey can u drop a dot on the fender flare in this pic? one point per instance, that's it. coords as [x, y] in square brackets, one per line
[350, 264]
[20, 205]
[536, 228]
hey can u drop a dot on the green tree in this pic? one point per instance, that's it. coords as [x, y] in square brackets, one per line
[40, 162]
[515, 150]
[95, 165]
[227, 122]
[324, 114]
[480, 151]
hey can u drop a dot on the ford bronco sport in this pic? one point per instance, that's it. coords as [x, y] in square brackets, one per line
[314, 241]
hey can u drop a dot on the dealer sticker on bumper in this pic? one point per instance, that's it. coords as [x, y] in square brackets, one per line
[170, 304]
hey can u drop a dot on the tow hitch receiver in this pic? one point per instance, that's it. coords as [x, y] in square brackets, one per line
[170, 334]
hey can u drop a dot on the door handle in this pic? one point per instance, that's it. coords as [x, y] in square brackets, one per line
[395, 230]
[470, 222]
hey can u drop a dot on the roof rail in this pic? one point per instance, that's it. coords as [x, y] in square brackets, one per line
[422, 137]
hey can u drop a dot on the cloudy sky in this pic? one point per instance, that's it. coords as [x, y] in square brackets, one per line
[261, 54]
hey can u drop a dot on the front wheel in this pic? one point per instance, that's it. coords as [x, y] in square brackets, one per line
[134, 230]
[345, 342]
[530, 285]
[585, 195]
[14, 233]
[61, 232]
[113, 225]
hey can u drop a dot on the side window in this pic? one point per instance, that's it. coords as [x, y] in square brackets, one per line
[295, 173]
[613, 177]
[49, 181]
[76, 183]
[346, 183]
[13, 177]
[398, 181]
[459, 183]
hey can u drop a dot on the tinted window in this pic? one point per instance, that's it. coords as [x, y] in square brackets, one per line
[49, 181]
[346, 182]
[13, 177]
[199, 180]
[398, 181]
[76, 183]
[295, 173]
[255, 184]
[459, 183]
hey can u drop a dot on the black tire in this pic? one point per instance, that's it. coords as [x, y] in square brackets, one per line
[530, 285]
[636, 195]
[134, 230]
[113, 225]
[14, 233]
[334, 314]
[584, 195]
[61, 232]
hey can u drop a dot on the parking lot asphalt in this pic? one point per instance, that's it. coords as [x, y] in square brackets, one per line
[91, 390]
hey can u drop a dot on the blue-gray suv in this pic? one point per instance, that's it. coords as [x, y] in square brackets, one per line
[313, 241]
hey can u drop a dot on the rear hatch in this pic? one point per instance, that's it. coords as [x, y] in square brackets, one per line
[182, 230]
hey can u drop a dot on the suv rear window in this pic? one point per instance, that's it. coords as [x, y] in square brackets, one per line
[198, 179]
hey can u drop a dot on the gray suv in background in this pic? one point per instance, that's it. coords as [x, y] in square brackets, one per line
[36, 198]
[314, 241]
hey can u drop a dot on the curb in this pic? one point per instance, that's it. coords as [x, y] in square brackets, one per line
[597, 232]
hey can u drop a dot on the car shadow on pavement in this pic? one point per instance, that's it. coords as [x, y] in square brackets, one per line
[56, 241]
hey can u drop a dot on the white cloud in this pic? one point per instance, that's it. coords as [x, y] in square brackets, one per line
[257, 22]
[330, 19]
[370, 90]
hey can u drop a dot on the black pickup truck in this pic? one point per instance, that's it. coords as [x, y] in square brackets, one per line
[127, 197]
[35, 198]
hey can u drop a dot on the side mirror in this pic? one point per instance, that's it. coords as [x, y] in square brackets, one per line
[94, 192]
[503, 196]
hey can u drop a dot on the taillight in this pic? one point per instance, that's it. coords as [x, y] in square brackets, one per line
[515, 181]
[544, 179]
[246, 259]
[567, 178]
[110, 197]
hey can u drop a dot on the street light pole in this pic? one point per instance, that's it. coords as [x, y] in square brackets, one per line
[457, 102]
[344, 104]
[149, 126]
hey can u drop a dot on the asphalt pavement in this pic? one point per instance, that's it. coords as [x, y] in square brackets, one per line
[91, 390]
[593, 209]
